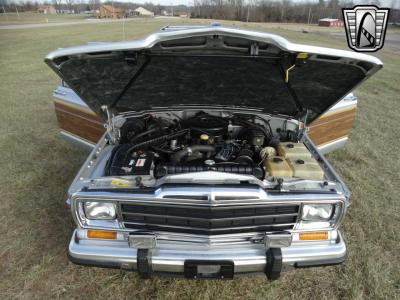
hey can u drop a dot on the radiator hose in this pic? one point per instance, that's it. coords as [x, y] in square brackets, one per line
[178, 156]
[156, 141]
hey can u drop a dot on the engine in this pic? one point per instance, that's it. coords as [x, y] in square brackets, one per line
[158, 146]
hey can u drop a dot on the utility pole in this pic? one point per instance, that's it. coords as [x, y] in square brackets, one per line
[16, 9]
[188, 8]
[123, 29]
[309, 16]
[5, 12]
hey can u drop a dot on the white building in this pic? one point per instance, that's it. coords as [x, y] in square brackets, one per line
[140, 11]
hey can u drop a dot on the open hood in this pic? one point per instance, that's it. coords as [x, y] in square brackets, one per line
[212, 66]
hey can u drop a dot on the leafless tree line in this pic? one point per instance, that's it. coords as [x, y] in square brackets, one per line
[274, 11]
[288, 11]
[75, 6]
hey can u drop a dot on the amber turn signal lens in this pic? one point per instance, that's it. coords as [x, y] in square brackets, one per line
[101, 234]
[313, 236]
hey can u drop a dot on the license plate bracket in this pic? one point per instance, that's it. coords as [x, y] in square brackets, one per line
[209, 269]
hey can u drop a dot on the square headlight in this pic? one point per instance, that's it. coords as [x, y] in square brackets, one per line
[99, 210]
[317, 212]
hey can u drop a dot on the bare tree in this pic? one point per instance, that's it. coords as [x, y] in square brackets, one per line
[70, 4]
[94, 4]
[57, 4]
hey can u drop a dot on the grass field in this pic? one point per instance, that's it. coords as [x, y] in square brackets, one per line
[32, 17]
[37, 167]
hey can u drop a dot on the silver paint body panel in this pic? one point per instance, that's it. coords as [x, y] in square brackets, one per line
[167, 35]
[173, 249]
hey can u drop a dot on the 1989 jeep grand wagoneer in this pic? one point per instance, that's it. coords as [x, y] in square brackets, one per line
[208, 166]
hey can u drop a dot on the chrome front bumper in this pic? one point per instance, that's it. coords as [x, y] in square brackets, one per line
[169, 257]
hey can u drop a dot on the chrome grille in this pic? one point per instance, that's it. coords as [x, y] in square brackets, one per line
[209, 220]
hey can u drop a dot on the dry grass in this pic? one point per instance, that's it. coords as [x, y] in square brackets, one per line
[33, 17]
[37, 167]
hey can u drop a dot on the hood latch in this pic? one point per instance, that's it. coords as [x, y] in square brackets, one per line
[254, 49]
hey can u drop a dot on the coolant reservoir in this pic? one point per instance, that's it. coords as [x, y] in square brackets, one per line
[278, 166]
[293, 150]
[305, 168]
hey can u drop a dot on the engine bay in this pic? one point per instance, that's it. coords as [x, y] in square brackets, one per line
[155, 146]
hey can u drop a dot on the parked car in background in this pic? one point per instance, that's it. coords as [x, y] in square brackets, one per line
[207, 151]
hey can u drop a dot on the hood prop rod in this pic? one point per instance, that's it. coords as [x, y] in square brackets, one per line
[131, 81]
[292, 62]
[296, 100]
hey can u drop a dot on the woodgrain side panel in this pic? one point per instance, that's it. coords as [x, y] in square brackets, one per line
[86, 125]
[332, 126]
[78, 122]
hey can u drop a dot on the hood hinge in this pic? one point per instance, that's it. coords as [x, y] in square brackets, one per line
[112, 131]
[303, 123]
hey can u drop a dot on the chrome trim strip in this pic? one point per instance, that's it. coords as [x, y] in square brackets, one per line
[201, 240]
[208, 219]
[330, 173]
[73, 139]
[66, 95]
[333, 145]
[170, 227]
[348, 102]
[266, 198]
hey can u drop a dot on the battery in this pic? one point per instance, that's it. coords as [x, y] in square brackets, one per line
[141, 164]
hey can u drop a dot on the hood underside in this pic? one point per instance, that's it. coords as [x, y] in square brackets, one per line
[212, 67]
